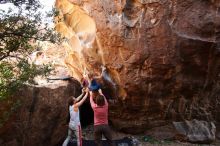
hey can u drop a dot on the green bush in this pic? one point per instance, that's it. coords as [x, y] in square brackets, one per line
[19, 31]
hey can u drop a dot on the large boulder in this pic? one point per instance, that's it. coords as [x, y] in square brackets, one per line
[162, 57]
[39, 118]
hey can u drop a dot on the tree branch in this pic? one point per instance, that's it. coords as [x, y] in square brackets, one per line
[3, 35]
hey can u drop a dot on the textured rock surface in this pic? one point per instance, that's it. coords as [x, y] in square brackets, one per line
[197, 131]
[51, 54]
[162, 55]
[162, 58]
[41, 118]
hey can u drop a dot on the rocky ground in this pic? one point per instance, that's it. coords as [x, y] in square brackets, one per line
[144, 140]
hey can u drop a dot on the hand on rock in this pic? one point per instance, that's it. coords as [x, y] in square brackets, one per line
[103, 68]
[87, 90]
[83, 90]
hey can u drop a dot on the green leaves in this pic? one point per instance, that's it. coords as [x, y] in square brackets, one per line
[29, 4]
[14, 75]
[20, 30]
[6, 76]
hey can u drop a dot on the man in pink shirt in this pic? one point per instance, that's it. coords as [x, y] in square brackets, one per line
[99, 105]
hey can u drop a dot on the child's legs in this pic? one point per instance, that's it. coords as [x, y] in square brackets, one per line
[98, 135]
[78, 133]
[70, 135]
[108, 135]
[76, 130]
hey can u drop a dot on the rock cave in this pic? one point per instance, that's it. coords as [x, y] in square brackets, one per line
[163, 70]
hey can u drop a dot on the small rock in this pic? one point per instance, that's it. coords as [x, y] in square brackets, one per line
[153, 21]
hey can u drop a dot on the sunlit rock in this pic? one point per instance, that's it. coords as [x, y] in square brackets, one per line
[162, 57]
[54, 56]
[78, 21]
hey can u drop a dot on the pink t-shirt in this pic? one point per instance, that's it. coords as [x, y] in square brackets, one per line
[100, 112]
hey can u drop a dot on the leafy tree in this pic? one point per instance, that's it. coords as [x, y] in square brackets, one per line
[20, 30]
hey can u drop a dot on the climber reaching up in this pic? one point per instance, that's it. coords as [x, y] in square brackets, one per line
[74, 120]
[105, 75]
[89, 76]
[112, 85]
[99, 105]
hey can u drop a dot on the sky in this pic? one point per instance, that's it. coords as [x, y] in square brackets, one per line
[47, 6]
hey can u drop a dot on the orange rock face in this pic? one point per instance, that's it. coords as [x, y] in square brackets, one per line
[162, 56]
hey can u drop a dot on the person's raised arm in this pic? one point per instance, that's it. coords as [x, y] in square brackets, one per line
[100, 91]
[92, 103]
[80, 96]
[106, 102]
[83, 99]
